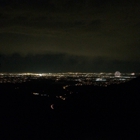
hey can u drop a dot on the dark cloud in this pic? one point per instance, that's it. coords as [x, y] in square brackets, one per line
[64, 63]
[84, 28]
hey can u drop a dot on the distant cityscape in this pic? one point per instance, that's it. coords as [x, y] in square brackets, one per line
[60, 86]
[63, 80]
[81, 78]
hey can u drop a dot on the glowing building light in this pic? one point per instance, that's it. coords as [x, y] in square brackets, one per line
[117, 74]
[35, 93]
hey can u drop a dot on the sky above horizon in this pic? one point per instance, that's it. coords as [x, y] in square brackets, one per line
[69, 35]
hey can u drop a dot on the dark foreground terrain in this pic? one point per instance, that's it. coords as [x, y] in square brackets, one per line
[93, 113]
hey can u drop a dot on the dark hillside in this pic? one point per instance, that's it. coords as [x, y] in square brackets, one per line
[92, 113]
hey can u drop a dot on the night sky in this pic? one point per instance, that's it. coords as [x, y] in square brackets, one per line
[69, 35]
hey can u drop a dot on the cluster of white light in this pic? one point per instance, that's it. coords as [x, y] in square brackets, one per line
[35, 93]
